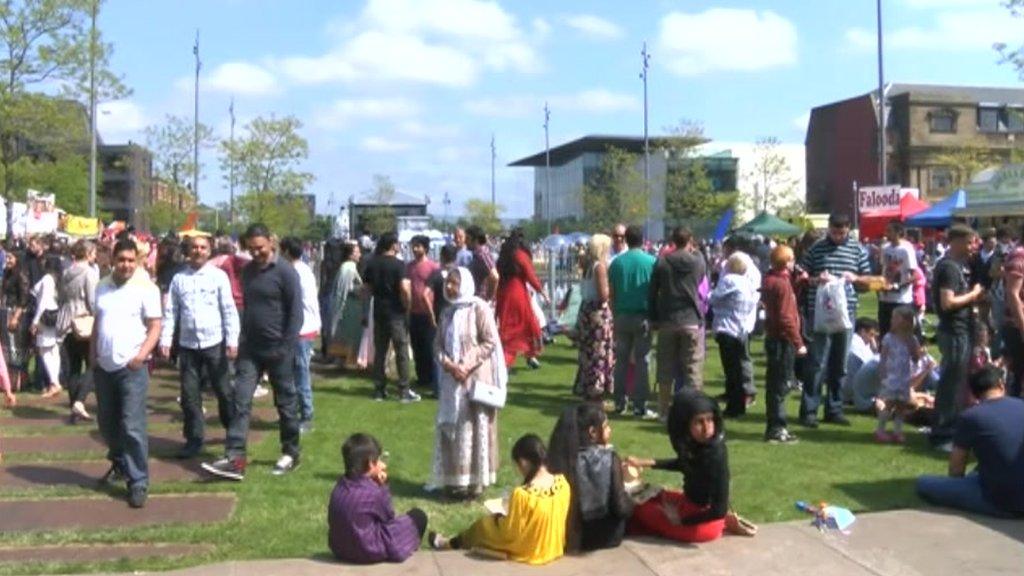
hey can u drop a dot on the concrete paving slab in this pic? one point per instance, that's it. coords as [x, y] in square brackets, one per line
[777, 550]
[94, 513]
[22, 476]
[421, 564]
[927, 542]
[617, 562]
[98, 552]
[166, 442]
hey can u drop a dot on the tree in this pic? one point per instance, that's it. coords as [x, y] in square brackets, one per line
[380, 217]
[1015, 56]
[164, 216]
[689, 192]
[616, 192]
[173, 147]
[964, 162]
[485, 215]
[47, 43]
[267, 173]
[772, 179]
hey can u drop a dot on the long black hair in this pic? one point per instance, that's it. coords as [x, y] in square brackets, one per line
[530, 449]
[572, 434]
[507, 264]
[687, 404]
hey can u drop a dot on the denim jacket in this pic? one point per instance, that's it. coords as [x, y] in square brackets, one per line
[200, 303]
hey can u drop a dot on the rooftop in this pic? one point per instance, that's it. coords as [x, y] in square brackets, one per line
[973, 94]
[397, 199]
[565, 153]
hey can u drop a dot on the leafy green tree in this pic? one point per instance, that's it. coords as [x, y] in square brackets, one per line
[689, 193]
[772, 177]
[380, 218]
[485, 215]
[47, 43]
[268, 174]
[164, 216]
[173, 146]
[66, 177]
[616, 192]
[1014, 56]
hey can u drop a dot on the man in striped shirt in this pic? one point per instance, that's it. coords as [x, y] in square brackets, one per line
[837, 255]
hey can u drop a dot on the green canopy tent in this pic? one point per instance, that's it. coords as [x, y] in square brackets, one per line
[765, 224]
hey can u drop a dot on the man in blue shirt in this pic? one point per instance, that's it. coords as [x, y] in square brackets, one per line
[200, 306]
[993, 431]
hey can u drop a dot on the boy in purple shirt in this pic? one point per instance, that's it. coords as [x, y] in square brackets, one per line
[362, 525]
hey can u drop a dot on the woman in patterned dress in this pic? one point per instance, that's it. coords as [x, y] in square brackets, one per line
[596, 351]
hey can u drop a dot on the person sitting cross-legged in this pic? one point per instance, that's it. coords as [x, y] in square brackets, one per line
[993, 431]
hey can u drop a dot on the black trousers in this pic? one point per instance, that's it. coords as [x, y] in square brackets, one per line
[194, 365]
[732, 350]
[885, 310]
[419, 518]
[421, 338]
[779, 357]
[79, 378]
[1013, 352]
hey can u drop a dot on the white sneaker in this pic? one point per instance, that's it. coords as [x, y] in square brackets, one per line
[260, 391]
[284, 465]
[647, 414]
[409, 396]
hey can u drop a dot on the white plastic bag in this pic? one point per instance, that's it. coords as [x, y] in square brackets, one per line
[830, 313]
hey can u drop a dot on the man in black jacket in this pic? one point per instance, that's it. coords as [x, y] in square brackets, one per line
[271, 322]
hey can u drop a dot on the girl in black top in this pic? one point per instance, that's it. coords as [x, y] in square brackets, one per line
[697, 514]
[599, 506]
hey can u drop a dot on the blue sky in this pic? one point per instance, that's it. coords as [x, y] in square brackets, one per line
[414, 89]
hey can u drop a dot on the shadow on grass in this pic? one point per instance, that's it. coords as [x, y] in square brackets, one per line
[878, 495]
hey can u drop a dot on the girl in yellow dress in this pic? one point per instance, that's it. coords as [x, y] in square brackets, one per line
[533, 528]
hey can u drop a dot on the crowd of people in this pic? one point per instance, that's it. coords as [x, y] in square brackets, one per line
[95, 314]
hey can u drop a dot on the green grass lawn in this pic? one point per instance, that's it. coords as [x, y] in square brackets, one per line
[286, 517]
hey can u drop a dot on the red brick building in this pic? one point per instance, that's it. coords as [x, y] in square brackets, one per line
[928, 129]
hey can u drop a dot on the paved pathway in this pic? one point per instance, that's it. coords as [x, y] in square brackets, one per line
[899, 543]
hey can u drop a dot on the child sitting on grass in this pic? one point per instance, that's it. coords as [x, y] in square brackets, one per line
[533, 528]
[362, 525]
[600, 504]
[900, 353]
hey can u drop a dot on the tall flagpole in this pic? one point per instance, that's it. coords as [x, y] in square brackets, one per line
[547, 166]
[494, 155]
[645, 63]
[231, 166]
[92, 112]
[195, 125]
[883, 174]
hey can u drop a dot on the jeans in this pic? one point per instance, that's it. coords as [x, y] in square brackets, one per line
[956, 354]
[825, 370]
[632, 344]
[963, 493]
[421, 336]
[779, 357]
[279, 366]
[731, 350]
[193, 365]
[390, 332]
[121, 416]
[303, 380]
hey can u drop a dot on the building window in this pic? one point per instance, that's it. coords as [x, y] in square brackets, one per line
[941, 179]
[1000, 119]
[1014, 119]
[988, 119]
[942, 121]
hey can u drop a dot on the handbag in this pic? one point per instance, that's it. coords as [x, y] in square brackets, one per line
[488, 395]
[81, 326]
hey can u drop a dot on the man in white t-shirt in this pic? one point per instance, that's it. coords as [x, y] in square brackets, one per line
[291, 250]
[899, 260]
[127, 328]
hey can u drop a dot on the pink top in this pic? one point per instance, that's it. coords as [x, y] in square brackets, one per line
[5, 378]
[920, 287]
[419, 273]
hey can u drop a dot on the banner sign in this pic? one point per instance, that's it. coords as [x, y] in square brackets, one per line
[883, 198]
[81, 226]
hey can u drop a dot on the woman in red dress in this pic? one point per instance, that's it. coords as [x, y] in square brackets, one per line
[517, 324]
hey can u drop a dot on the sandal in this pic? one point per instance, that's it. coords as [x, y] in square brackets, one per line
[738, 525]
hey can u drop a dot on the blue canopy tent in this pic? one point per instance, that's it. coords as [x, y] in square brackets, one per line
[940, 215]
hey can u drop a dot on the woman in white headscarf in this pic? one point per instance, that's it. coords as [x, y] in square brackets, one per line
[472, 366]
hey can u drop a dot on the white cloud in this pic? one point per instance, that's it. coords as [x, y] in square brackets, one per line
[802, 121]
[725, 39]
[120, 120]
[345, 111]
[384, 145]
[593, 101]
[595, 26]
[949, 31]
[242, 79]
[444, 42]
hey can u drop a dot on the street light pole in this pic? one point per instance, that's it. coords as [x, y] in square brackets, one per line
[547, 166]
[231, 166]
[883, 175]
[195, 124]
[494, 155]
[645, 65]
[92, 112]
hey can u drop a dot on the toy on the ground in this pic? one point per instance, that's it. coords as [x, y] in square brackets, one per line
[826, 516]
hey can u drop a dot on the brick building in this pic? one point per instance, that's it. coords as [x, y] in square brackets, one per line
[928, 128]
